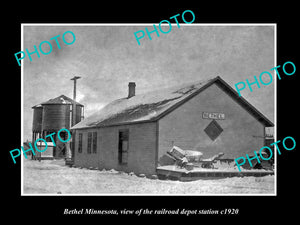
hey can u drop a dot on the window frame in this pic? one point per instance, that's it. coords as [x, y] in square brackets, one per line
[94, 142]
[89, 143]
[79, 143]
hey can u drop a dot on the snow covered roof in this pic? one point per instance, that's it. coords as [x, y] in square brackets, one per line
[37, 106]
[150, 106]
[62, 99]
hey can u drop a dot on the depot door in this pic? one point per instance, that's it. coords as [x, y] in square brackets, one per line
[123, 146]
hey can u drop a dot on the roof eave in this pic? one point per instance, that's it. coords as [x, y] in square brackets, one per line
[115, 124]
[257, 114]
[185, 99]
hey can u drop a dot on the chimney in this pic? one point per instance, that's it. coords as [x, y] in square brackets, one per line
[131, 89]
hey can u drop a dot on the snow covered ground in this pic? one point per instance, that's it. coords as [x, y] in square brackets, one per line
[53, 177]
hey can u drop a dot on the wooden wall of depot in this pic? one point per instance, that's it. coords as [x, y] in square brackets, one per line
[184, 127]
[141, 153]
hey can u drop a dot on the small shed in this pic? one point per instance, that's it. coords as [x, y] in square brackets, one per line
[47, 154]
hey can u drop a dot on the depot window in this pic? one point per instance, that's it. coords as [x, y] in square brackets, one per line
[89, 143]
[94, 142]
[80, 143]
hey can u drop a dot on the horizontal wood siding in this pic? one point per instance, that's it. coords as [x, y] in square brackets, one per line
[184, 127]
[141, 152]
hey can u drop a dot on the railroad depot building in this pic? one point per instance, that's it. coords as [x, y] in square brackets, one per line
[132, 134]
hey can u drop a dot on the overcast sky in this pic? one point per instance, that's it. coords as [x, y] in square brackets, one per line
[108, 57]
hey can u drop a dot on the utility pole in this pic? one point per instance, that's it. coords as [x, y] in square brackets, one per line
[74, 98]
[70, 146]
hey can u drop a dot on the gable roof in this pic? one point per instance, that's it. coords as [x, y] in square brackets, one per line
[154, 105]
